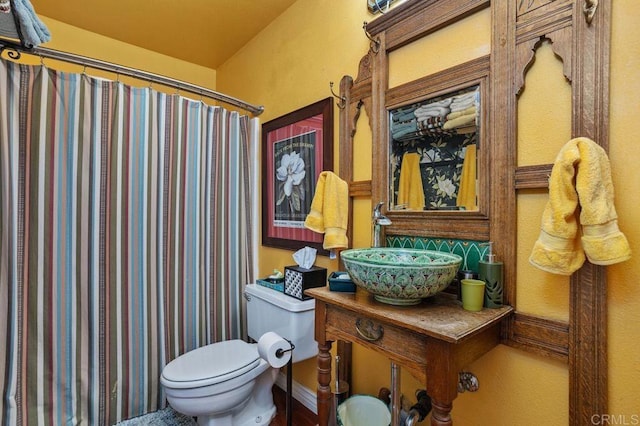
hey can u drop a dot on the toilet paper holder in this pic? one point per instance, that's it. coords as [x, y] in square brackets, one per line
[288, 402]
[280, 352]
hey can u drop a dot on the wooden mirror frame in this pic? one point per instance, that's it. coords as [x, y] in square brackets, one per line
[580, 33]
[471, 225]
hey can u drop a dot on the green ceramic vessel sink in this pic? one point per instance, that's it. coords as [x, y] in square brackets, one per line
[399, 276]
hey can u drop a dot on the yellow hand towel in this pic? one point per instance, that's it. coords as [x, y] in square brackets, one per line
[329, 210]
[467, 191]
[580, 194]
[410, 191]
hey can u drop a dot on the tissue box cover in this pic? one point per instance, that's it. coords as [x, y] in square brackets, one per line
[297, 280]
[272, 284]
[336, 284]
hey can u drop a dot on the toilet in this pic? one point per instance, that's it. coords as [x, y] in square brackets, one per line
[228, 383]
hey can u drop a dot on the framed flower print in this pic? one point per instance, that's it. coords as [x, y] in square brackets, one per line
[296, 148]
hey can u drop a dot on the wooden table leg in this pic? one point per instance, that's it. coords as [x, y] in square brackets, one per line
[442, 382]
[324, 394]
[441, 413]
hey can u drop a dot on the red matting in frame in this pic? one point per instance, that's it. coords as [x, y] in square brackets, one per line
[299, 141]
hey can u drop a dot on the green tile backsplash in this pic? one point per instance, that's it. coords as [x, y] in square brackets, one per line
[470, 251]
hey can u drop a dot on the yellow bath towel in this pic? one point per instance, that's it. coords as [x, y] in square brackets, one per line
[456, 114]
[580, 195]
[467, 192]
[410, 191]
[461, 121]
[329, 210]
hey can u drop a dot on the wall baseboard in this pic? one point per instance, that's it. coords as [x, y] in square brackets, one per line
[301, 393]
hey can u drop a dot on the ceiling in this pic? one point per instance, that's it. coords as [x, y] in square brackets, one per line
[203, 32]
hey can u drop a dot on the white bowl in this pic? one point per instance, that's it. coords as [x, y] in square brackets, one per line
[363, 410]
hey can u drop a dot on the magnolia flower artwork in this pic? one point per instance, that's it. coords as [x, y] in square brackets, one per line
[296, 148]
[294, 179]
[291, 173]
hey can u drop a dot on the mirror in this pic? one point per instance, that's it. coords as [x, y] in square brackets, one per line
[433, 151]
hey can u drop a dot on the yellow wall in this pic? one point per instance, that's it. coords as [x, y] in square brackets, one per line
[71, 39]
[289, 65]
[624, 292]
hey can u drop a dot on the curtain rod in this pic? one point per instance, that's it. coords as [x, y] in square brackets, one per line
[135, 73]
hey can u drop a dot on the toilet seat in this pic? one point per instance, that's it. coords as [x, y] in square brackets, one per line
[211, 364]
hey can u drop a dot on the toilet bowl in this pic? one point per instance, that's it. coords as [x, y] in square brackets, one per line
[228, 383]
[224, 383]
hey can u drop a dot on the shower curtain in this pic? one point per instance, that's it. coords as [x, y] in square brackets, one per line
[125, 241]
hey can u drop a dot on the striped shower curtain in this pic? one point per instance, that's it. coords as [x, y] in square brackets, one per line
[124, 242]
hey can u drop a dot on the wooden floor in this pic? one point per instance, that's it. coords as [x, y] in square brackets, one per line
[301, 415]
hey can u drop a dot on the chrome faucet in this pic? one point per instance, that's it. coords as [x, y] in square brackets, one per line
[378, 220]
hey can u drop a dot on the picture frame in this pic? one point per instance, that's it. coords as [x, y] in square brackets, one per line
[296, 148]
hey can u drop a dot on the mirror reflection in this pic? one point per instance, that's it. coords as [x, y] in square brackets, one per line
[433, 152]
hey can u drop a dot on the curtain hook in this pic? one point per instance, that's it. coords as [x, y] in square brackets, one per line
[375, 43]
[343, 101]
[42, 61]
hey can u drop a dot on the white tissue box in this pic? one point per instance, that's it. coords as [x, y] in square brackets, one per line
[298, 279]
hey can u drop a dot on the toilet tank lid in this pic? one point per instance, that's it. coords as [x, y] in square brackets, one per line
[280, 299]
[222, 360]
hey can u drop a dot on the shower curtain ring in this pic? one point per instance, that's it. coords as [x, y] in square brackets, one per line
[343, 101]
[375, 43]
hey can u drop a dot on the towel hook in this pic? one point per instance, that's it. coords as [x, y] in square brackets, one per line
[589, 10]
[375, 43]
[343, 101]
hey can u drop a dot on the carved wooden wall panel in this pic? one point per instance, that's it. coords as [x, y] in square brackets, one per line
[579, 32]
[582, 40]
[528, 6]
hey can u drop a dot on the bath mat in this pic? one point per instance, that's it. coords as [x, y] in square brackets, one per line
[167, 416]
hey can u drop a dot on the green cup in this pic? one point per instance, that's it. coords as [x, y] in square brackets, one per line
[472, 294]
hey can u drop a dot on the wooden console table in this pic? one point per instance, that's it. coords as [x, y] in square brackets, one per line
[434, 340]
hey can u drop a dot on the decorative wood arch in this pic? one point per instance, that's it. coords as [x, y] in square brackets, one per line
[580, 34]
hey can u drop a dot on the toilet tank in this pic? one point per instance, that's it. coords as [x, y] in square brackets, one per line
[293, 319]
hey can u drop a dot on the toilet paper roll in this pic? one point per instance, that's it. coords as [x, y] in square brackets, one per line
[270, 346]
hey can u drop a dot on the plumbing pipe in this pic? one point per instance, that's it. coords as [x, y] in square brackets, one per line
[420, 409]
[413, 418]
[395, 394]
